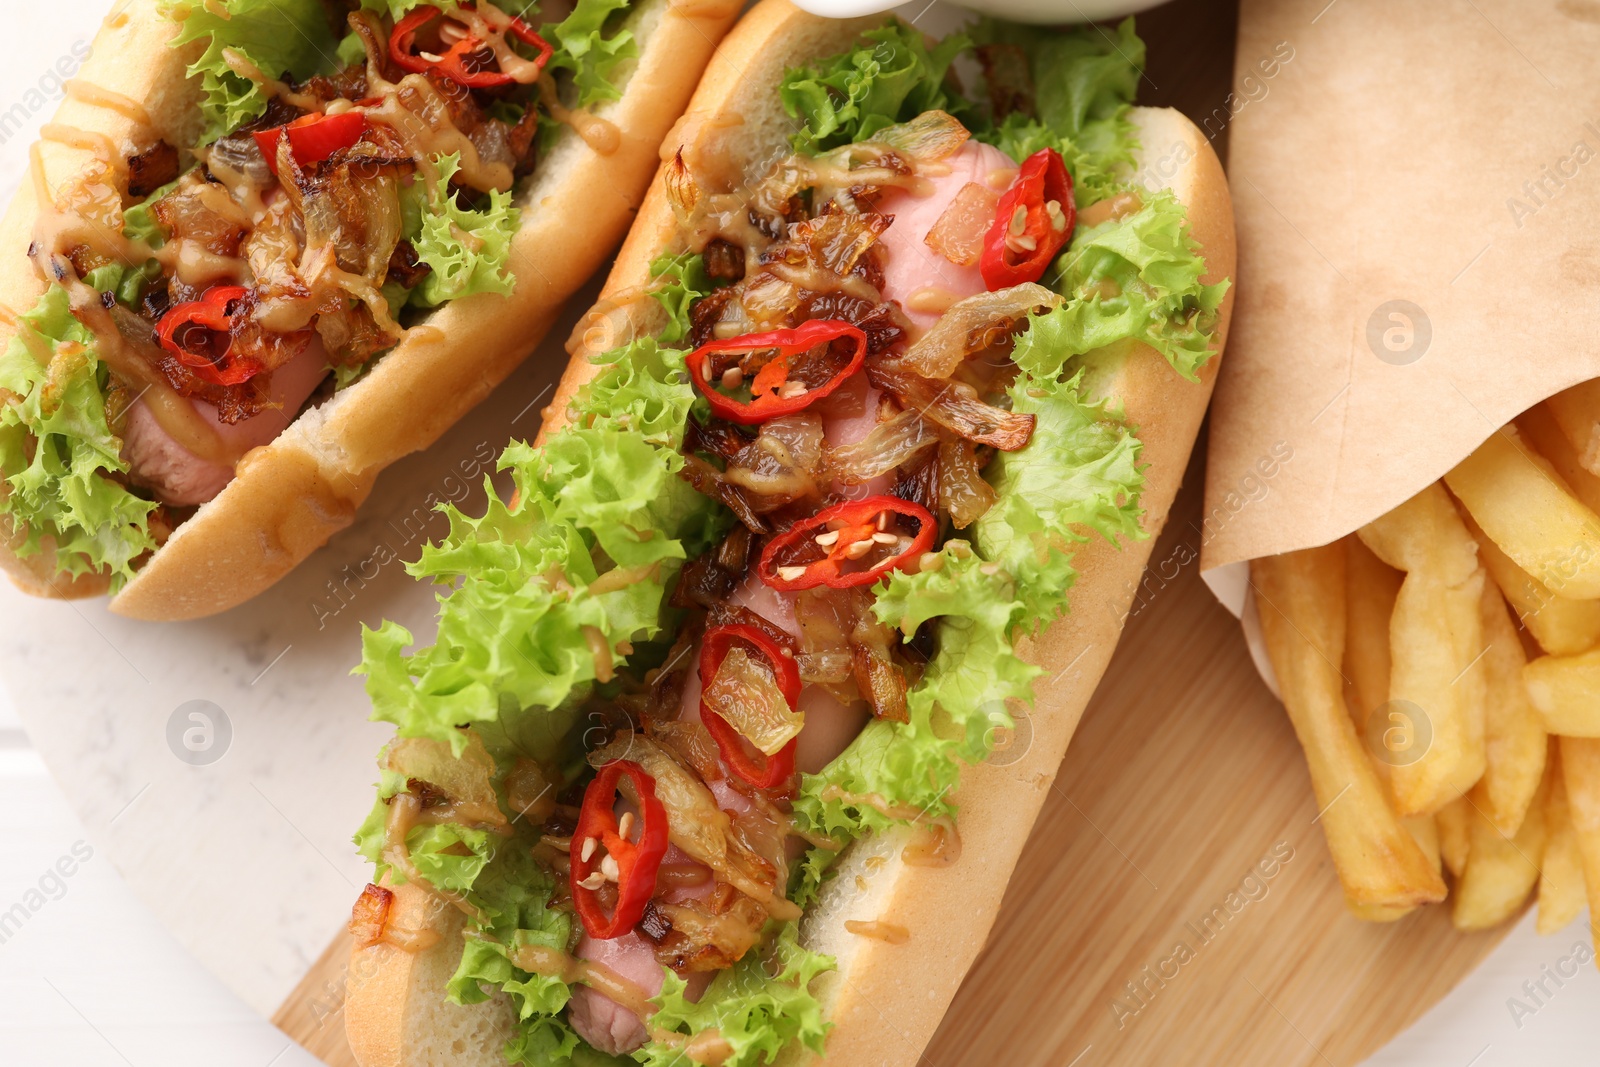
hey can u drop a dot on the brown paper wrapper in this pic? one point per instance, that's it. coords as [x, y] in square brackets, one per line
[1418, 197]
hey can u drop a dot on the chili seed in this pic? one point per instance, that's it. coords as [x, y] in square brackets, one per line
[430, 57]
[883, 520]
[609, 868]
[884, 538]
[1058, 219]
[789, 574]
[1019, 221]
[827, 540]
[625, 824]
[589, 845]
[858, 549]
[732, 378]
[790, 390]
[594, 881]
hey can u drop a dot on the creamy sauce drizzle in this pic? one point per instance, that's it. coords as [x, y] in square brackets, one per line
[89, 93]
[877, 930]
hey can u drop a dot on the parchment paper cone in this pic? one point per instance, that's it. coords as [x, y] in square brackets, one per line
[1418, 197]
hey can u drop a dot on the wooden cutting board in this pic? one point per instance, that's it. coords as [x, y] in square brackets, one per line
[1176, 902]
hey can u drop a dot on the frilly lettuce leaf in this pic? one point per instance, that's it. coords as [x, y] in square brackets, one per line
[467, 248]
[515, 629]
[911, 768]
[57, 451]
[851, 96]
[756, 1013]
[278, 36]
[1135, 278]
[583, 47]
[1084, 83]
[1079, 475]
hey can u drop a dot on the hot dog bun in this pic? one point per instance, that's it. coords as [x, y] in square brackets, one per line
[885, 999]
[290, 496]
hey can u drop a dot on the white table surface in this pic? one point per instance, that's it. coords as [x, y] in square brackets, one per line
[244, 863]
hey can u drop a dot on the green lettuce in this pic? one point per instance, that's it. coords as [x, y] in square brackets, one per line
[582, 46]
[910, 769]
[1136, 278]
[57, 452]
[1084, 82]
[279, 36]
[852, 96]
[467, 248]
[758, 1014]
[515, 631]
[1080, 475]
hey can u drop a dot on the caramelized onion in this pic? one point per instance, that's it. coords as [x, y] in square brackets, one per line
[928, 138]
[957, 407]
[972, 325]
[959, 233]
[698, 826]
[962, 489]
[745, 693]
[892, 443]
[462, 784]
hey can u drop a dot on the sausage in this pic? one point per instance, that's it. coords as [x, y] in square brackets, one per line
[181, 478]
[911, 265]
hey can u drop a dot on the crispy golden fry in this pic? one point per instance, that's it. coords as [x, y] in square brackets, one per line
[1436, 683]
[1566, 692]
[1514, 737]
[1561, 882]
[1371, 587]
[1525, 507]
[1454, 836]
[1541, 431]
[1501, 870]
[1300, 597]
[1580, 767]
[1424, 830]
[1575, 412]
[1561, 626]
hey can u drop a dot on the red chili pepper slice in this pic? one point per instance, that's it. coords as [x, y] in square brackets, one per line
[772, 381]
[190, 332]
[1032, 221]
[453, 61]
[636, 861]
[312, 138]
[821, 545]
[714, 647]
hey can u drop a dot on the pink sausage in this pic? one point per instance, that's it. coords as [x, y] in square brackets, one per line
[181, 478]
[912, 265]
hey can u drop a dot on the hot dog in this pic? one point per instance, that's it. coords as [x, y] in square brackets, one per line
[791, 551]
[267, 247]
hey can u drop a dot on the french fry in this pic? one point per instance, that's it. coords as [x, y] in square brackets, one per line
[1562, 626]
[1540, 429]
[1301, 599]
[1501, 870]
[1515, 743]
[1561, 881]
[1454, 837]
[1575, 412]
[1566, 692]
[1520, 501]
[1424, 830]
[1371, 587]
[1580, 767]
[1436, 683]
